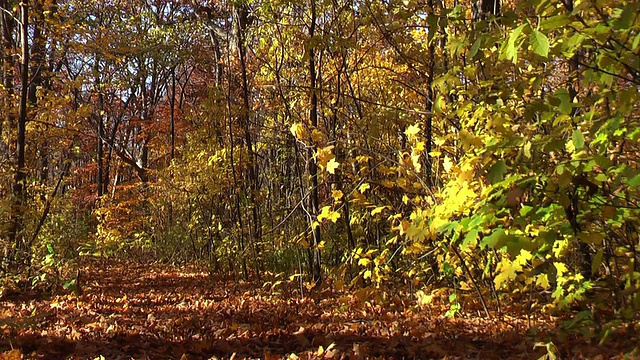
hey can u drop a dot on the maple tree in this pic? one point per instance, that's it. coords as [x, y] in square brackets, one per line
[481, 154]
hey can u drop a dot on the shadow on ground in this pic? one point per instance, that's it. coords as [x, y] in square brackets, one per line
[149, 312]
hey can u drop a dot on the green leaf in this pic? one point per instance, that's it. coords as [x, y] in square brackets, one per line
[432, 20]
[565, 101]
[509, 49]
[497, 171]
[578, 139]
[470, 239]
[636, 42]
[626, 15]
[597, 261]
[496, 240]
[555, 22]
[539, 43]
[634, 181]
[572, 44]
[474, 48]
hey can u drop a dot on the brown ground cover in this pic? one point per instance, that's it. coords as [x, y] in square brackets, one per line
[133, 311]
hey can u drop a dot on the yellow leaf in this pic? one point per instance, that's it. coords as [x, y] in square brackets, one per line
[378, 210]
[542, 280]
[412, 131]
[317, 136]
[559, 247]
[388, 184]
[362, 188]
[594, 238]
[358, 197]
[527, 149]
[417, 233]
[423, 299]
[439, 105]
[447, 163]
[324, 155]
[561, 268]
[367, 274]
[327, 213]
[336, 195]
[332, 165]
[415, 159]
[508, 269]
[298, 131]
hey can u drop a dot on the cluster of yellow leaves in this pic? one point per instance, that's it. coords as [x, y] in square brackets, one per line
[326, 159]
[329, 214]
[508, 270]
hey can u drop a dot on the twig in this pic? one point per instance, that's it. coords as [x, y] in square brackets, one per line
[473, 281]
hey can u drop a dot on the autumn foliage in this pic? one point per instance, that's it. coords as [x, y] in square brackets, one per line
[441, 156]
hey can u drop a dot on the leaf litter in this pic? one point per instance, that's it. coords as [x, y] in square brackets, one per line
[130, 311]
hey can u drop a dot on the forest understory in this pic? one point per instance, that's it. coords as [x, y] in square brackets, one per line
[356, 178]
[128, 310]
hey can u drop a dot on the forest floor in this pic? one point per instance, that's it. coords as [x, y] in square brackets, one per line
[128, 310]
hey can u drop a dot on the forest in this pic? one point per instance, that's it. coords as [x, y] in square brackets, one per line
[307, 179]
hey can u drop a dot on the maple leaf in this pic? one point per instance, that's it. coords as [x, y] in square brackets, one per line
[417, 232]
[327, 213]
[364, 187]
[336, 195]
[412, 130]
[508, 269]
[332, 165]
[323, 155]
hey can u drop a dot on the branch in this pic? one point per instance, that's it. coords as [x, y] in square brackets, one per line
[2, 9]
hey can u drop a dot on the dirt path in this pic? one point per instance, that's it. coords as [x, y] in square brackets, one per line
[144, 312]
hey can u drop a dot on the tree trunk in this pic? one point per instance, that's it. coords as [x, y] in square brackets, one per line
[19, 193]
[314, 206]
[101, 136]
[235, 176]
[6, 31]
[172, 104]
[242, 13]
[483, 8]
[428, 126]
[573, 209]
